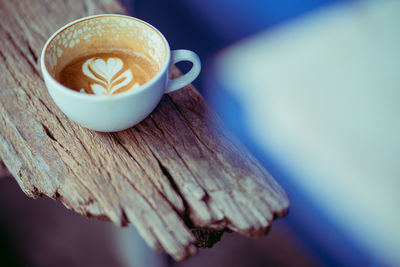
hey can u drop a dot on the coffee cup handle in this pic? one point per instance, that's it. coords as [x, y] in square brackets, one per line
[182, 81]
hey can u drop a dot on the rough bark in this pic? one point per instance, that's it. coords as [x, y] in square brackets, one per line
[177, 171]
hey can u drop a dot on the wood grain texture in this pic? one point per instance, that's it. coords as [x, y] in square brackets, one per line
[176, 171]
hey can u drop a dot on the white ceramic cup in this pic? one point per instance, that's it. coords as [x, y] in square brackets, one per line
[110, 113]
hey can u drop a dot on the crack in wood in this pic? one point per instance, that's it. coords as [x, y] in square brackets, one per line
[173, 147]
[205, 238]
[159, 186]
[126, 150]
[162, 194]
[204, 197]
[2, 57]
[60, 123]
[45, 105]
[48, 132]
[186, 213]
[177, 153]
[124, 217]
[31, 51]
[222, 222]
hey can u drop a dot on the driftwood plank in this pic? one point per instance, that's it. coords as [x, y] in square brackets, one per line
[178, 176]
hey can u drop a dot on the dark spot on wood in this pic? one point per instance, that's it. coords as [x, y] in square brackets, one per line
[2, 56]
[89, 201]
[101, 217]
[56, 195]
[282, 213]
[36, 193]
[206, 197]
[124, 218]
[206, 238]
[136, 129]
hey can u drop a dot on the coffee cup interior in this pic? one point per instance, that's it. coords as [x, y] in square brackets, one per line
[101, 33]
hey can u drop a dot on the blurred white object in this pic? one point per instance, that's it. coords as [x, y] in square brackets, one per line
[134, 252]
[322, 95]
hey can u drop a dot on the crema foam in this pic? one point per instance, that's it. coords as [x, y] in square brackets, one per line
[107, 72]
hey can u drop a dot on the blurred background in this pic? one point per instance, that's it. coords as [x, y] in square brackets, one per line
[312, 88]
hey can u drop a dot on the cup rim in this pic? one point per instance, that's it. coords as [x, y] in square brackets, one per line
[74, 93]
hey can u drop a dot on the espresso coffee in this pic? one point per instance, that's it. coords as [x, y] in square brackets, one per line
[107, 72]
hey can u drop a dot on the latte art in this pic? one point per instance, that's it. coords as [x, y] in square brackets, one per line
[107, 73]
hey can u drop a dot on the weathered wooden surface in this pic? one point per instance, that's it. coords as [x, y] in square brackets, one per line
[177, 170]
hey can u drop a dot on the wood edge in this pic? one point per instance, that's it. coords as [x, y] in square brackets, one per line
[3, 170]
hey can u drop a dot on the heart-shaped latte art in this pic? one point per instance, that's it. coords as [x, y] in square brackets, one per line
[107, 70]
